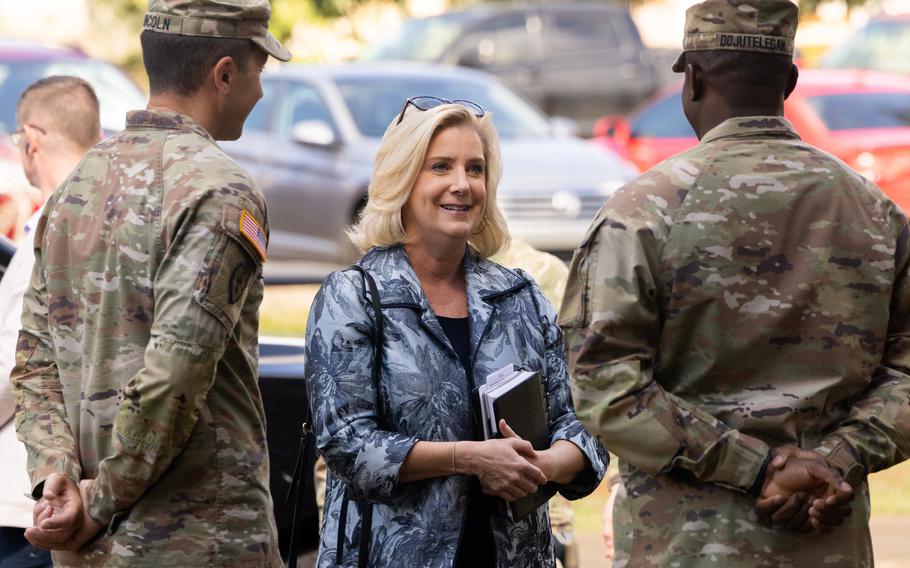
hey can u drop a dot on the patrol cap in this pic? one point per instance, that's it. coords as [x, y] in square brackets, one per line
[216, 18]
[766, 26]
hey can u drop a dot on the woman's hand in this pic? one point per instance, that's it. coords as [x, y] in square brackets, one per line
[560, 463]
[502, 465]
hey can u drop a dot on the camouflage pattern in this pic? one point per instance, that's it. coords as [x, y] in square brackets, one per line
[247, 19]
[137, 362]
[766, 26]
[748, 293]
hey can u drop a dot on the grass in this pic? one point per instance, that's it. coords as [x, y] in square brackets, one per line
[285, 310]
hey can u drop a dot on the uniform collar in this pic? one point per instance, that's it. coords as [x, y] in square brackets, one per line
[165, 120]
[751, 126]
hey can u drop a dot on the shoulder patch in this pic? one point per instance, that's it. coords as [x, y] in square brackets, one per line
[252, 230]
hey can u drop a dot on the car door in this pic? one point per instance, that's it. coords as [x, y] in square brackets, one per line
[591, 65]
[302, 181]
[507, 45]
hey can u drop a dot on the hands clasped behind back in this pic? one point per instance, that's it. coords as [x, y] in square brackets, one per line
[801, 492]
[60, 516]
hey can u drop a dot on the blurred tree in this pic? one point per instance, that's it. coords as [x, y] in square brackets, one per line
[809, 6]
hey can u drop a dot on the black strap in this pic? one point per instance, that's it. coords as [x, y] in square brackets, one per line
[366, 509]
[295, 494]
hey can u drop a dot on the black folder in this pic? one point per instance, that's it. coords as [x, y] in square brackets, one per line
[524, 408]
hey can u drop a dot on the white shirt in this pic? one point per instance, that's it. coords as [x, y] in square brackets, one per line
[15, 507]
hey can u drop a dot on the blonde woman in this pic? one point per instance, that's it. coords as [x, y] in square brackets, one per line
[451, 317]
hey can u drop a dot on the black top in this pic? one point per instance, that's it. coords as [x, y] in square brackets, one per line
[476, 548]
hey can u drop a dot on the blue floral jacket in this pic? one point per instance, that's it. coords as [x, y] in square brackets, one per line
[426, 396]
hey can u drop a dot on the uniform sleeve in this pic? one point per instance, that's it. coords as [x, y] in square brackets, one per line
[339, 363]
[201, 285]
[40, 411]
[562, 422]
[13, 286]
[876, 433]
[612, 320]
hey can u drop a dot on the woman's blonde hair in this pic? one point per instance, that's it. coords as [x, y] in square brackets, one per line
[398, 162]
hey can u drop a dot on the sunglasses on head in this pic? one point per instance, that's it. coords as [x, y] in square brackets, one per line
[426, 103]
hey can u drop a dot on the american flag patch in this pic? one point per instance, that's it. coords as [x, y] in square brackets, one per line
[252, 230]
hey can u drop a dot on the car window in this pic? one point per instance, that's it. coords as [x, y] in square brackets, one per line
[863, 110]
[421, 40]
[116, 93]
[502, 41]
[258, 120]
[880, 45]
[301, 102]
[374, 102]
[664, 119]
[580, 32]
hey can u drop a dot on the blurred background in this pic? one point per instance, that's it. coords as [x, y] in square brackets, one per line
[581, 93]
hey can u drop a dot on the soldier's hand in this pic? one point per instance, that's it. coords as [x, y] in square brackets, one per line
[795, 481]
[57, 514]
[88, 527]
[828, 513]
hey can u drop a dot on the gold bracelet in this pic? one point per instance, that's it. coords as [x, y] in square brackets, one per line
[453, 457]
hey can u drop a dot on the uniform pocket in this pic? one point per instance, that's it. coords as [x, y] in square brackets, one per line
[232, 265]
[25, 349]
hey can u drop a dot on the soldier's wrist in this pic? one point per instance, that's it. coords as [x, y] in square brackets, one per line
[840, 457]
[759, 483]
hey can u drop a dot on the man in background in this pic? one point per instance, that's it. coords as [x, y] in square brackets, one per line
[58, 122]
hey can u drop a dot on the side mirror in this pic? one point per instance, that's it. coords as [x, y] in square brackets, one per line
[563, 127]
[313, 133]
[471, 57]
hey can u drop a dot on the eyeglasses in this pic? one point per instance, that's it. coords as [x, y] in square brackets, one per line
[17, 136]
[426, 103]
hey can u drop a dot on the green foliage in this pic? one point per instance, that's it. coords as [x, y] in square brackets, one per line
[808, 6]
[339, 8]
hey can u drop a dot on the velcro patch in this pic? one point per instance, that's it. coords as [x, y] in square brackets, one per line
[252, 230]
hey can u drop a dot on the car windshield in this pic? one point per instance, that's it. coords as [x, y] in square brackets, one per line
[419, 40]
[877, 46]
[374, 102]
[116, 93]
[664, 119]
[863, 110]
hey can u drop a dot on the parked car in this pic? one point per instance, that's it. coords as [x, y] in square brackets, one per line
[24, 62]
[284, 398]
[310, 144]
[863, 118]
[883, 44]
[578, 60]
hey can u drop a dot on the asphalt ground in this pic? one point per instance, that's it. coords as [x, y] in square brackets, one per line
[890, 539]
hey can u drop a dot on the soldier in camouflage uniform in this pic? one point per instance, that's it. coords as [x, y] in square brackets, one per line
[137, 364]
[745, 299]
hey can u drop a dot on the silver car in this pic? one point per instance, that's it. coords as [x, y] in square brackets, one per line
[310, 144]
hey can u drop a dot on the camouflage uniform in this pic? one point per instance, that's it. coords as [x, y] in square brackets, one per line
[137, 362]
[748, 293]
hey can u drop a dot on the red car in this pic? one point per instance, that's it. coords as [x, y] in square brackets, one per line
[862, 117]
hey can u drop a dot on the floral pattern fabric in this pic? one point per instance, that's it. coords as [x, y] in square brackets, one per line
[426, 396]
